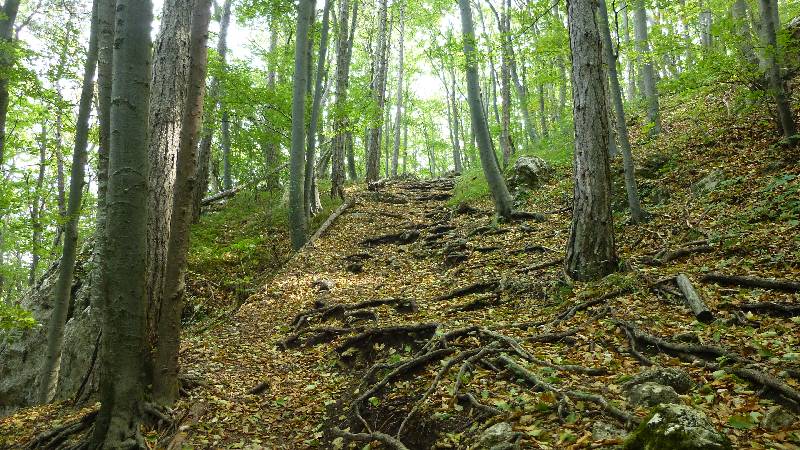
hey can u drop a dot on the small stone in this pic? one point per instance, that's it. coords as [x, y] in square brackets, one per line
[454, 259]
[678, 379]
[323, 285]
[778, 417]
[677, 427]
[651, 394]
[499, 436]
[354, 268]
[604, 430]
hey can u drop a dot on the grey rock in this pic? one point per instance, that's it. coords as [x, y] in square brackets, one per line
[499, 436]
[651, 394]
[529, 172]
[604, 430]
[778, 417]
[677, 427]
[708, 183]
[678, 379]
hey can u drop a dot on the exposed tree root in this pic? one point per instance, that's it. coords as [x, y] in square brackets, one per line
[569, 313]
[768, 308]
[401, 238]
[665, 256]
[751, 281]
[340, 310]
[475, 288]
[365, 340]
[370, 437]
[627, 419]
[309, 337]
[524, 215]
[541, 266]
[53, 439]
[478, 303]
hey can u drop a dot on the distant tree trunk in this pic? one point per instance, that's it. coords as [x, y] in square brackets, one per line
[399, 106]
[55, 332]
[36, 208]
[124, 318]
[705, 25]
[341, 122]
[457, 153]
[591, 252]
[743, 32]
[165, 381]
[497, 185]
[646, 67]
[522, 98]
[378, 94]
[351, 158]
[309, 184]
[205, 169]
[297, 217]
[542, 111]
[637, 215]
[505, 83]
[168, 89]
[631, 82]
[773, 68]
[271, 148]
[225, 126]
[405, 136]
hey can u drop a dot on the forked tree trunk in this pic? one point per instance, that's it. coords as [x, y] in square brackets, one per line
[55, 333]
[297, 217]
[124, 318]
[497, 185]
[591, 252]
[637, 215]
[165, 380]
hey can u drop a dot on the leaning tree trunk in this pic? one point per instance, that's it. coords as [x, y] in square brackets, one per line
[590, 250]
[169, 86]
[55, 335]
[497, 185]
[165, 380]
[297, 217]
[771, 53]
[646, 67]
[124, 317]
[637, 215]
[308, 187]
[378, 94]
[399, 106]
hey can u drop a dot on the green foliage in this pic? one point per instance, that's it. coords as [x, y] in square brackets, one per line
[14, 319]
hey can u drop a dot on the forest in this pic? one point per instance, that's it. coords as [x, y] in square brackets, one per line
[400, 224]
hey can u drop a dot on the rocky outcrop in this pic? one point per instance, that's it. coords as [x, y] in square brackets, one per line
[673, 377]
[22, 356]
[651, 394]
[529, 172]
[499, 436]
[677, 427]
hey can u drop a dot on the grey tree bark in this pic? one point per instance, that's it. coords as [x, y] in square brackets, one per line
[543, 111]
[168, 89]
[458, 164]
[124, 317]
[591, 251]
[497, 185]
[165, 380]
[55, 335]
[36, 205]
[309, 184]
[637, 214]
[631, 81]
[297, 217]
[399, 106]
[341, 122]
[522, 98]
[645, 63]
[378, 94]
[743, 32]
[271, 148]
[773, 69]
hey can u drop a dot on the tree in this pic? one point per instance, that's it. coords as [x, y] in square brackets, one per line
[123, 338]
[591, 252]
[497, 185]
[165, 380]
[399, 105]
[309, 185]
[771, 59]
[297, 217]
[637, 214]
[55, 335]
[645, 62]
[339, 146]
[379, 95]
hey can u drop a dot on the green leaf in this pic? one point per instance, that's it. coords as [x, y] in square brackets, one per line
[740, 422]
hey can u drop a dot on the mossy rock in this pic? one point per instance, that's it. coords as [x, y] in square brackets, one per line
[677, 427]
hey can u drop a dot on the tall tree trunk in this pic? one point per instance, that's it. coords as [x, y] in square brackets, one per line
[351, 159]
[55, 333]
[591, 252]
[165, 381]
[341, 123]
[36, 208]
[743, 32]
[297, 217]
[637, 214]
[705, 19]
[308, 187]
[457, 153]
[205, 164]
[271, 149]
[497, 185]
[646, 70]
[378, 94]
[542, 111]
[522, 98]
[505, 83]
[771, 57]
[168, 89]
[631, 81]
[225, 126]
[124, 317]
[399, 106]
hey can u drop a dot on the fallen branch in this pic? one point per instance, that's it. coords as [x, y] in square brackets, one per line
[778, 309]
[690, 248]
[475, 288]
[329, 221]
[751, 281]
[696, 304]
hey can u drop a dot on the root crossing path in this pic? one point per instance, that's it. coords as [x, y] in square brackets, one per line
[411, 323]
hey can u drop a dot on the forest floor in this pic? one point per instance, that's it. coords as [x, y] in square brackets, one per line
[416, 308]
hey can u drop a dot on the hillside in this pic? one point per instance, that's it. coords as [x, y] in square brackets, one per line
[416, 309]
